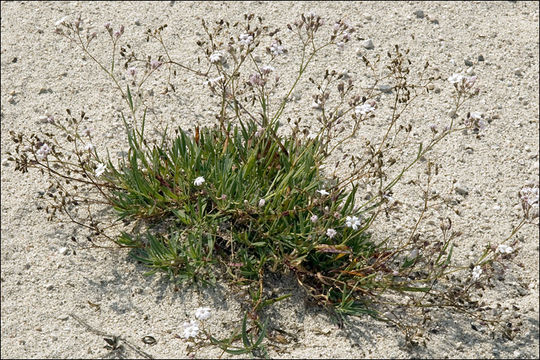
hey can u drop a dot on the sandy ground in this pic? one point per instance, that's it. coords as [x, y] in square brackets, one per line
[43, 74]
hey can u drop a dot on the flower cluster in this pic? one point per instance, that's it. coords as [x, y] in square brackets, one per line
[43, 151]
[477, 271]
[191, 328]
[504, 249]
[475, 120]
[217, 57]
[277, 49]
[529, 196]
[365, 108]
[246, 39]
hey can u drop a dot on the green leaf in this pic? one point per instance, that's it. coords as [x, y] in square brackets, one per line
[129, 98]
[245, 338]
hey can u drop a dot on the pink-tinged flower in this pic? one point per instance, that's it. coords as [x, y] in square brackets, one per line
[87, 132]
[529, 195]
[132, 71]
[477, 271]
[199, 181]
[43, 151]
[340, 46]
[314, 218]
[256, 79]
[470, 81]
[331, 233]
[323, 192]
[203, 313]
[262, 202]
[107, 25]
[89, 147]
[154, 64]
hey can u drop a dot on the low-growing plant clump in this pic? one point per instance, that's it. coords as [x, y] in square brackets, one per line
[251, 195]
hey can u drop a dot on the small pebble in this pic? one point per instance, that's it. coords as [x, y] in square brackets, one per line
[419, 14]
[63, 317]
[470, 71]
[385, 88]
[137, 22]
[452, 61]
[5, 162]
[434, 21]
[368, 44]
[461, 190]
[368, 17]
[63, 251]
[518, 72]
[468, 62]
[481, 58]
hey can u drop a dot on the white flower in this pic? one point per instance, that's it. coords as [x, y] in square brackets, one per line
[203, 313]
[191, 329]
[43, 151]
[246, 39]
[363, 109]
[314, 218]
[353, 222]
[262, 202]
[216, 57]
[100, 169]
[267, 69]
[214, 81]
[61, 21]
[316, 105]
[199, 181]
[504, 249]
[340, 46]
[476, 115]
[455, 78]
[331, 233]
[323, 192]
[89, 147]
[477, 271]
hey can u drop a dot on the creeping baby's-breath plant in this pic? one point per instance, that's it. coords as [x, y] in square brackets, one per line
[252, 195]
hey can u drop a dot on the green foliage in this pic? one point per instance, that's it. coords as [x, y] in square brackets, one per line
[255, 208]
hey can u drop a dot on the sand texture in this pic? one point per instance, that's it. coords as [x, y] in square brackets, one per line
[43, 74]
